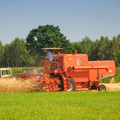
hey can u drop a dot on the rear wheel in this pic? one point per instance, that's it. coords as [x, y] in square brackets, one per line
[72, 85]
[102, 88]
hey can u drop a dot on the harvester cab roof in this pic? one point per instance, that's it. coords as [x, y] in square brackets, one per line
[59, 50]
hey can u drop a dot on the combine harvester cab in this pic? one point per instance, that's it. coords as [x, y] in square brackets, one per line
[74, 71]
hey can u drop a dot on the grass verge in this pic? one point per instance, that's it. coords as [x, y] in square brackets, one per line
[82, 105]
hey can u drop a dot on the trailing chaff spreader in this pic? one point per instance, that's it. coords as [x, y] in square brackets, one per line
[72, 71]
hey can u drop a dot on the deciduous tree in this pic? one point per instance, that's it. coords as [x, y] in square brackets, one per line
[1, 54]
[46, 36]
[18, 53]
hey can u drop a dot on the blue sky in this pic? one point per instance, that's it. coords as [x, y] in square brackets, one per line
[75, 18]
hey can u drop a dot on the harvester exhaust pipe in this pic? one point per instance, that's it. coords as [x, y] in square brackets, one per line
[75, 52]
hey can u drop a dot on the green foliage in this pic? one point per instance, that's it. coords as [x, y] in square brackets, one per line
[17, 70]
[16, 54]
[46, 36]
[60, 106]
[106, 80]
[117, 76]
[94, 50]
[1, 54]
[6, 60]
[86, 45]
[19, 53]
[77, 46]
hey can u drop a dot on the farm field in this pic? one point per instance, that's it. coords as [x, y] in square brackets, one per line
[78, 105]
[112, 86]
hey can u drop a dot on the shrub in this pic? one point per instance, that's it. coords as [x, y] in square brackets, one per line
[17, 70]
[117, 76]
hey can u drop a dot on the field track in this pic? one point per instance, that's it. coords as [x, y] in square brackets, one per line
[112, 86]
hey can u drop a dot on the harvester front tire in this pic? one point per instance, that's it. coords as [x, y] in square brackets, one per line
[102, 88]
[72, 85]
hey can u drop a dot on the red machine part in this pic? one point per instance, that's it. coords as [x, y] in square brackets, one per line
[25, 76]
[43, 82]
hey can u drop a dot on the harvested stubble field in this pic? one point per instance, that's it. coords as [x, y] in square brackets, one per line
[13, 85]
[112, 86]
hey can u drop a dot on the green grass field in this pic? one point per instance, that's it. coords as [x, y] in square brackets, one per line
[79, 105]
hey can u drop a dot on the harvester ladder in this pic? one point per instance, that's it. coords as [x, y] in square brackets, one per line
[65, 79]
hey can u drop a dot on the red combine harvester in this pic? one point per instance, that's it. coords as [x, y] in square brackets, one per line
[73, 71]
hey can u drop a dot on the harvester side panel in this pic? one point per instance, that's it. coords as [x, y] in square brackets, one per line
[104, 73]
[109, 63]
[79, 76]
[93, 74]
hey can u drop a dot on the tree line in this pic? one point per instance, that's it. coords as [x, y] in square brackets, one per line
[28, 52]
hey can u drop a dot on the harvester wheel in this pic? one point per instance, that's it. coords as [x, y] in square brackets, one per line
[102, 88]
[72, 85]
